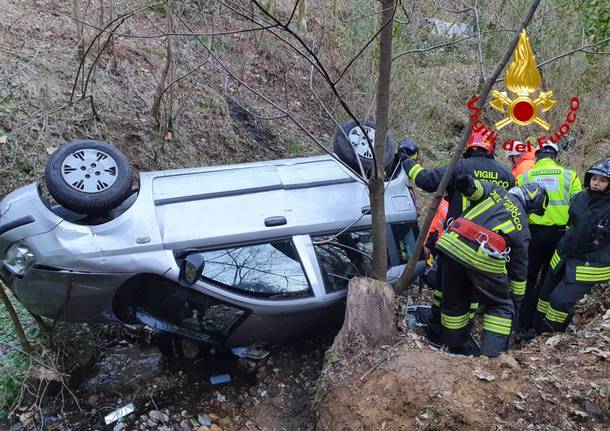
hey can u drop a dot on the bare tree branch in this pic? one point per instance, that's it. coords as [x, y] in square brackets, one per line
[443, 45]
[438, 7]
[322, 70]
[582, 48]
[224, 69]
[25, 344]
[457, 153]
[360, 53]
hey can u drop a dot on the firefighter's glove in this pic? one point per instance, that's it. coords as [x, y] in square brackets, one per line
[465, 185]
[407, 149]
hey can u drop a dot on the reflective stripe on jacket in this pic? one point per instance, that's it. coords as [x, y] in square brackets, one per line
[585, 248]
[479, 166]
[502, 213]
[560, 183]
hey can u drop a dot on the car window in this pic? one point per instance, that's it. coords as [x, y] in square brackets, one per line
[168, 303]
[405, 235]
[342, 257]
[272, 270]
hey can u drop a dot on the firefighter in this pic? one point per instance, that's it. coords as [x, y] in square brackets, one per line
[478, 161]
[484, 259]
[582, 258]
[561, 185]
[521, 161]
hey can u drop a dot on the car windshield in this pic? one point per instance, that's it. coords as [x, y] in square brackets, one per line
[271, 270]
[343, 256]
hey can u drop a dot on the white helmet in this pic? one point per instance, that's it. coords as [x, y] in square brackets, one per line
[513, 152]
[549, 146]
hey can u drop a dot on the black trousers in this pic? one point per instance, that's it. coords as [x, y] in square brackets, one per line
[542, 246]
[557, 301]
[462, 287]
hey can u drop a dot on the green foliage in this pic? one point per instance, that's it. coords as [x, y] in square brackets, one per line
[596, 19]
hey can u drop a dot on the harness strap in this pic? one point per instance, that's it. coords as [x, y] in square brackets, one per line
[488, 239]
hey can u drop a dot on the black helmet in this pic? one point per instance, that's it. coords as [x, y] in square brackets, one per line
[408, 147]
[534, 197]
[601, 168]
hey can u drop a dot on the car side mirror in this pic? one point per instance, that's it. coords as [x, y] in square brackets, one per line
[190, 269]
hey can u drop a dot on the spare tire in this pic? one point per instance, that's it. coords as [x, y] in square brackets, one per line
[350, 144]
[89, 177]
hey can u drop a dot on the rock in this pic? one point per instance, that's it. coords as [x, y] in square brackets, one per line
[508, 361]
[204, 420]
[185, 414]
[484, 375]
[164, 428]
[164, 417]
[155, 415]
[215, 428]
[16, 427]
[119, 427]
[185, 425]
[151, 423]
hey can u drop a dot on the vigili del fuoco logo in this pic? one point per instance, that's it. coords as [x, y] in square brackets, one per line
[524, 103]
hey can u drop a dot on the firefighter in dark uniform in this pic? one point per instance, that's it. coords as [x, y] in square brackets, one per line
[582, 258]
[561, 185]
[478, 161]
[484, 259]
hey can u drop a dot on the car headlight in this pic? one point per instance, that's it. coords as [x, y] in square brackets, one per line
[19, 259]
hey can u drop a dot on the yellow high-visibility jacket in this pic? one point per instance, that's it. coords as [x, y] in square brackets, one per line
[561, 185]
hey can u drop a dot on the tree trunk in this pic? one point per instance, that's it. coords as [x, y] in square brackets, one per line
[380, 254]
[457, 153]
[25, 344]
[80, 41]
[168, 74]
[369, 316]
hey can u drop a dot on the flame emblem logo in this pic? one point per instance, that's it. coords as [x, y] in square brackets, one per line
[523, 78]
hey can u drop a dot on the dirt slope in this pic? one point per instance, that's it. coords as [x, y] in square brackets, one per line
[558, 382]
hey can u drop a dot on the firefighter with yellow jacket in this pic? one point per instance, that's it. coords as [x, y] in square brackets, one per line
[561, 185]
[484, 259]
[582, 258]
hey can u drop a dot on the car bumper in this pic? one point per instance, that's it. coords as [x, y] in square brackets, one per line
[66, 295]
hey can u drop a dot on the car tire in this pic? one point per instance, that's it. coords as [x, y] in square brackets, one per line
[89, 177]
[350, 144]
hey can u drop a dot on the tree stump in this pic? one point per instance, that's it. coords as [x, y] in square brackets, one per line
[369, 316]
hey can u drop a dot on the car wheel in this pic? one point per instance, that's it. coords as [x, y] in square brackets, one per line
[350, 144]
[90, 177]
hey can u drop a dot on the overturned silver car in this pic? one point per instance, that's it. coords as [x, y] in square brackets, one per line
[277, 241]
